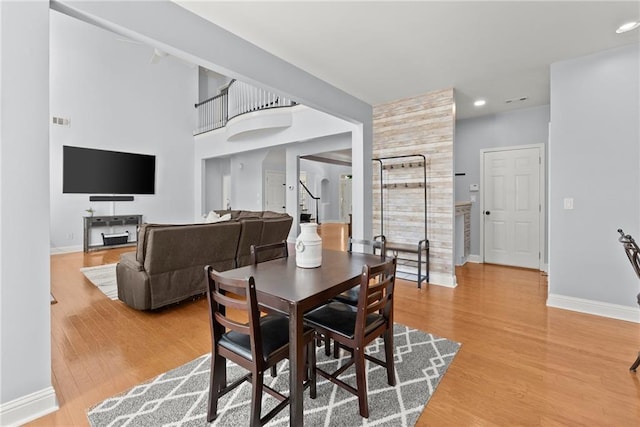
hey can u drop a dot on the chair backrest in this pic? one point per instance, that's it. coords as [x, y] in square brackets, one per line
[262, 253]
[631, 249]
[242, 301]
[377, 283]
[375, 246]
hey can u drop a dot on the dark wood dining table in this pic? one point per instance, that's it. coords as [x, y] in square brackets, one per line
[283, 286]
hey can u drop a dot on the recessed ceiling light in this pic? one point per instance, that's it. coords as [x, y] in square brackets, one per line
[520, 99]
[479, 103]
[628, 27]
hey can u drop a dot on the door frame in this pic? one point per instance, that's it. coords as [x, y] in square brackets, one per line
[543, 197]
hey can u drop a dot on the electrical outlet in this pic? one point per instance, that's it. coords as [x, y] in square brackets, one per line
[69, 236]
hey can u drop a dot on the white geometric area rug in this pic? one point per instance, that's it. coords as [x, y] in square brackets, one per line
[104, 277]
[179, 397]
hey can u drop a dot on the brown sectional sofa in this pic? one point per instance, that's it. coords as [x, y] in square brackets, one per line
[168, 264]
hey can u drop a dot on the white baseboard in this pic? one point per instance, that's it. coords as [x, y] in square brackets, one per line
[478, 260]
[474, 258]
[64, 249]
[442, 279]
[614, 311]
[28, 408]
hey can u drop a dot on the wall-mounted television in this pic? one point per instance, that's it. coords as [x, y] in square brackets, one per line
[92, 171]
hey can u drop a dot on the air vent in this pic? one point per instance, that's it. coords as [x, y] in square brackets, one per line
[513, 100]
[61, 121]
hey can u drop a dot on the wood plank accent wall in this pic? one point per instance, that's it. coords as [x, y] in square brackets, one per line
[418, 125]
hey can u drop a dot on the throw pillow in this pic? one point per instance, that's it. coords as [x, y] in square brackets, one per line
[214, 217]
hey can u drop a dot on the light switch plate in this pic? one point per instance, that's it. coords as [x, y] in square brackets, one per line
[474, 187]
[568, 203]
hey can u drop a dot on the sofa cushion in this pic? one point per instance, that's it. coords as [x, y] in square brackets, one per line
[129, 259]
[272, 214]
[275, 229]
[248, 214]
[179, 246]
[142, 241]
[249, 235]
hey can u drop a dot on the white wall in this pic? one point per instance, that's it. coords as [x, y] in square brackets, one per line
[209, 83]
[519, 127]
[247, 180]
[118, 100]
[25, 331]
[594, 151]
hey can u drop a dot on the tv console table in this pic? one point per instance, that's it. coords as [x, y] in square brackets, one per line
[91, 222]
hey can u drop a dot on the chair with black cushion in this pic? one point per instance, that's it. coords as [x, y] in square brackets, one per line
[255, 346]
[262, 253]
[632, 251]
[377, 246]
[353, 328]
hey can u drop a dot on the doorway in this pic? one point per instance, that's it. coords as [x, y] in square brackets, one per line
[345, 197]
[512, 206]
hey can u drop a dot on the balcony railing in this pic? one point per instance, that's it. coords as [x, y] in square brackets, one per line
[212, 113]
[239, 98]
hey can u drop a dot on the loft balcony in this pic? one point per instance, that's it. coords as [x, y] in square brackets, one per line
[242, 108]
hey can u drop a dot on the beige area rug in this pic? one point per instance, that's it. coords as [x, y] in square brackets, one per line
[104, 277]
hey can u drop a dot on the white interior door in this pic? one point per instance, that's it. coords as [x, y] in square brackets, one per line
[512, 207]
[275, 191]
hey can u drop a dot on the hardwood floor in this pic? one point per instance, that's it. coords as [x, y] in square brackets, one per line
[521, 363]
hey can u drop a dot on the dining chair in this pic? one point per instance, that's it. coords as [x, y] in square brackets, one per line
[377, 246]
[255, 345]
[632, 251]
[353, 328]
[262, 253]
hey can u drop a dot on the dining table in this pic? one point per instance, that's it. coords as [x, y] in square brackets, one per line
[285, 287]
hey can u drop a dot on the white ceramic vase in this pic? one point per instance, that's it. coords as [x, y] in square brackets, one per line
[308, 246]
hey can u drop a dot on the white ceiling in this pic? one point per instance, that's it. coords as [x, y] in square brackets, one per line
[383, 51]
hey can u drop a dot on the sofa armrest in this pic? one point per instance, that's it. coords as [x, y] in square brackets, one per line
[128, 259]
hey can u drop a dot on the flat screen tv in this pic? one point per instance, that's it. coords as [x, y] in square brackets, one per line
[91, 171]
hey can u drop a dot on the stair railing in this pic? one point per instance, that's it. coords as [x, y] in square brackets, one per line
[212, 113]
[317, 199]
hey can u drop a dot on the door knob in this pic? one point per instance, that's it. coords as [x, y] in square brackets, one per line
[487, 212]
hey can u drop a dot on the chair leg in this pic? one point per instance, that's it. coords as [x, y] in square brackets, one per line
[217, 381]
[274, 371]
[635, 364]
[388, 357]
[256, 398]
[361, 381]
[327, 345]
[311, 369]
